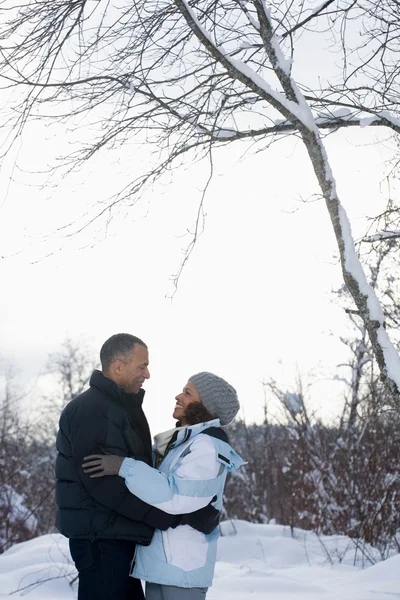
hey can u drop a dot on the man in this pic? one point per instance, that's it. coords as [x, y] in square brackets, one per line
[103, 520]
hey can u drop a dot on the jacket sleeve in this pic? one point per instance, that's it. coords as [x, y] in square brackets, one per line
[192, 485]
[99, 434]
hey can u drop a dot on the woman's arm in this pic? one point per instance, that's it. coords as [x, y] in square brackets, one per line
[191, 486]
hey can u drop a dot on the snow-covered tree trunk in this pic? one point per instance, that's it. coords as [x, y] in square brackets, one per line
[354, 276]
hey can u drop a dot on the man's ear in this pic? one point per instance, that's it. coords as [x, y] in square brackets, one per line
[116, 367]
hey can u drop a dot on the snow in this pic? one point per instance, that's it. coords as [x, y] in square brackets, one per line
[302, 112]
[18, 512]
[257, 561]
[385, 114]
[252, 20]
[293, 403]
[224, 133]
[353, 266]
[367, 121]
[342, 113]
[40, 568]
[284, 63]
[319, 8]
[383, 235]
[392, 357]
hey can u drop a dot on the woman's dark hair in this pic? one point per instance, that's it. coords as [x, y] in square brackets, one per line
[196, 412]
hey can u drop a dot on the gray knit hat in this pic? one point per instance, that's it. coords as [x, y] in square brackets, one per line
[217, 395]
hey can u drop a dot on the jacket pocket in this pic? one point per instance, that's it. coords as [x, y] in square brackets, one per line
[185, 548]
[165, 542]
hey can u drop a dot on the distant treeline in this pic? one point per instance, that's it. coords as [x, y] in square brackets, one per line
[322, 478]
[338, 478]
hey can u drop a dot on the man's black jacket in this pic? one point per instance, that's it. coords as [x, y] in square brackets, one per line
[105, 419]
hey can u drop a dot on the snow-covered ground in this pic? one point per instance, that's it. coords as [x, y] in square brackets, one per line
[262, 562]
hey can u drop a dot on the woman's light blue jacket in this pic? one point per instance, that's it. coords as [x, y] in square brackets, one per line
[191, 474]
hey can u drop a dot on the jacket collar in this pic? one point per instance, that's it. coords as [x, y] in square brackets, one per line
[113, 390]
[162, 440]
[189, 432]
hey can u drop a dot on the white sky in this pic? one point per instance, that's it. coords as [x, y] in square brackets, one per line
[254, 300]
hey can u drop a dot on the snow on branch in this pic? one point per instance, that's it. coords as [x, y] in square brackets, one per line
[314, 13]
[324, 122]
[242, 72]
[381, 236]
[251, 19]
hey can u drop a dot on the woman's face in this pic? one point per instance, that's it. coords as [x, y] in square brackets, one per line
[186, 397]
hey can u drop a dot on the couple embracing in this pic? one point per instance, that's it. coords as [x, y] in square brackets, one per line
[133, 512]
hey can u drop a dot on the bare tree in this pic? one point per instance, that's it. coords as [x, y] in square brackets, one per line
[73, 366]
[193, 75]
[70, 369]
[336, 478]
[27, 444]
[17, 520]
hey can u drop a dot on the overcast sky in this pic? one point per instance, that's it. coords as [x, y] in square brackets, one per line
[254, 300]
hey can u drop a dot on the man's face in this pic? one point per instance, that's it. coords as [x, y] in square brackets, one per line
[132, 372]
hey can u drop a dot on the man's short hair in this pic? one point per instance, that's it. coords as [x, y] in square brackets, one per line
[120, 345]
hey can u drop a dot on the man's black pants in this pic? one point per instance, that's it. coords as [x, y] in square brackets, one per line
[103, 567]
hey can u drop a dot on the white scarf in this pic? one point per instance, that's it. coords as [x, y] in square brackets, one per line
[162, 439]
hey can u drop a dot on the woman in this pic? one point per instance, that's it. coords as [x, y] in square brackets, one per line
[192, 463]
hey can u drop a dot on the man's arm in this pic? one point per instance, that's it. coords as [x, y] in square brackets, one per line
[97, 433]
